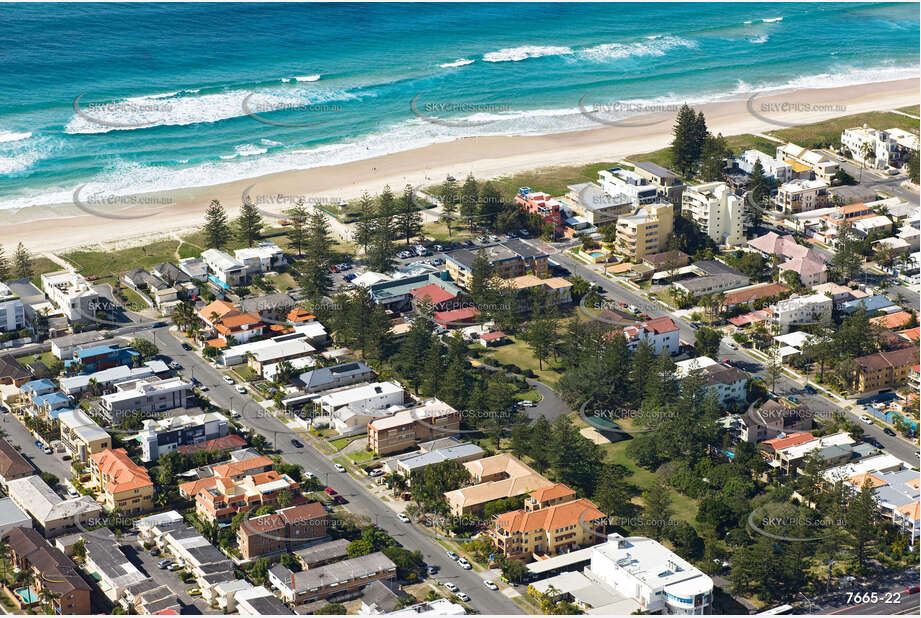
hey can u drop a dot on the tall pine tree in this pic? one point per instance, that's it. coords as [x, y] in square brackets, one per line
[216, 229]
[297, 232]
[408, 220]
[23, 262]
[249, 224]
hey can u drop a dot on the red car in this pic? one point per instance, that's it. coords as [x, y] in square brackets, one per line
[340, 500]
[330, 491]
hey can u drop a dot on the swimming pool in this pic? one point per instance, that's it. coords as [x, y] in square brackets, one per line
[27, 595]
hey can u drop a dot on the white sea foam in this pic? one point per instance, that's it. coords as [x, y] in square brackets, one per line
[771, 20]
[269, 142]
[457, 63]
[759, 39]
[178, 109]
[308, 78]
[652, 47]
[516, 54]
[248, 150]
[14, 136]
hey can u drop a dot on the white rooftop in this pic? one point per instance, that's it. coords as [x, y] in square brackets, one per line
[800, 450]
[359, 393]
[878, 463]
[44, 504]
[82, 425]
[220, 259]
[796, 339]
[686, 366]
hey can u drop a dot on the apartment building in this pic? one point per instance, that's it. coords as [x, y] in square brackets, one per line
[800, 310]
[552, 291]
[638, 190]
[261, 354]
[124, 485]
[283, 531]
[801, 195]
[511, 258]
[336, 579]
[74, 385]
[879, 148]
[81, 435]
[433, 453]
[53, 516]
[658, 579]
[717, 212]
[264, 257]
[886, 369]
[226, 269]
[375, 396]
[727, 383]
[772, 419]
[48, 569]
[645, 230]
[99, 357]
[541, 204]
[148, 395]
[161, 436]
[12, 311]
[104, 558]
[225, 497]
[777, 170]
[499, 476]
[73, 296]
[430, 420]
[553, 521]
[589, 201]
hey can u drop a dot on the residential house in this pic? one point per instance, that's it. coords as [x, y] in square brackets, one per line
[590, 202]
[376, 396]
[429, 420]
[667, 183]
[194, 267]
[431, 453]
[48, 569]
[105, 561]
[258, 601]
[868, 304]
[74, 385]
[226, 269]
[708, 277]
[553, 521]
[772, 419]
[161, 436]
[620, 182]
[646, 230]
[12, 372]
[272, 308]
[81, 435]
[885, 369]
[124, 485]
[100, 357]
[822, 166]
[777, 170]
[230, 442]
[512, 258]
[552, 291]
[63, 347]
[745, 296]
[53, 516]
[225, 498]
[789, 459]
[12, 464]
[717, 212]
[335, 580]
[402, 294]
[336, 376]
[264, 257]
[322, 553]
[806, 262]
[283, 531]
[801, 195]
[242, 464]
[260, 354]
[499, 476]
[659, 333]
[11, 516]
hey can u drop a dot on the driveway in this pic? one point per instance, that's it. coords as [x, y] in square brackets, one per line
[18, 435]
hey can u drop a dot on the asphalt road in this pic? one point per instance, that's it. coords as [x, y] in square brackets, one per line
[890, 599]
[356, 491]
[17, 434]
[741, 358]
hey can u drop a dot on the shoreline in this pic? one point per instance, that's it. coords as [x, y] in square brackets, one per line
[64, 227]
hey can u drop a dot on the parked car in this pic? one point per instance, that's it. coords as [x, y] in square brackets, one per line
[339, 467]
[464, 564]
[527, 403]
[866, 419]
[297, 443]
[175, 365]
[330, 491]
[240, 389]
[888, 431]
[809, 389]
[402, 517]
[340, 499]
[228, 379]
[195, 592]
[452, 555]
[451, 586]
[873, 442]
[164, 563]
[174, 567]
[154, 552]
[432, 569]
[463, 597]
[186, 347]
[47, 450]
[793, 398]
[491, 585]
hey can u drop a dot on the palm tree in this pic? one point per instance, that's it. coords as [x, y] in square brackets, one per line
[866, 152]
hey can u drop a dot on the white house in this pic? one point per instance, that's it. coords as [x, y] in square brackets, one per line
[224, 267]
[262, 258]
[728, 383]
[877, 148]
[815, 308]
[165, 435]
[775, 169]
[717, 211]
[12, 311]
[801, 195]
[375, 396]
[660, 333]
[618, 181]
[70, 292]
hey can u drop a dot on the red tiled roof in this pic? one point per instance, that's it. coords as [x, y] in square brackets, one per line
[574, 513]
[892, 320]
[661, 325]
[756, 291]
[300, 315]
[434, 293]
[493, 335]
[456, 315]
[225, 443]
[124, 474]
[912, 334]
[791, 440]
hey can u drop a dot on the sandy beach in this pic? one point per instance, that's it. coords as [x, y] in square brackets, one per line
[65, 226]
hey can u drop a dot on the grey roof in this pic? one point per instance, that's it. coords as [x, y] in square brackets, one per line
[721, 374]
[139, 276]
[324, 552]
[79, 339]
[10, 368]
[834, 451]
[379, 595]
[11, 514]
[712, 267]
[343, 571]
[508, 250]
[171, 273]
[268, 606]
[523, 249]
[330, 375]
[439, 455]
[267, 302]
[658, 170]
[102, 547]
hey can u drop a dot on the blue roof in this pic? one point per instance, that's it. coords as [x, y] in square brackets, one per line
[57, 397]
[42, 385]
[103, 349]
[870, 304]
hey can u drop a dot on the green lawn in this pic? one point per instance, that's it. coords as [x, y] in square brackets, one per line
[361, 457]
[341, 443]
[518, 353]
[736, 143]
[552, 180]
[528, 395]
[439, 232]
[105, 262]
[134, 301]
[45, 357]
[914, 110]
[829, 131]
[41, 265]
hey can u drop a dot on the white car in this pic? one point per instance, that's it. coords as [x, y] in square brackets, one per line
[228, 379]
[451, 586]
[402, 517]
[464, 564]
[866, 419]
[340, 468]
[463, 597]
[452, 555]
[240, 389]
[491, 585]
[308, 475]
